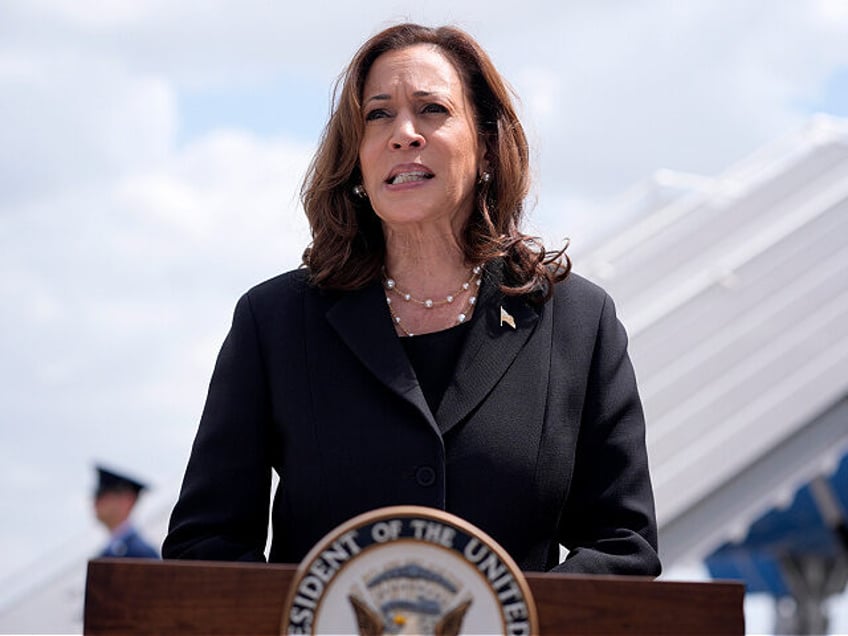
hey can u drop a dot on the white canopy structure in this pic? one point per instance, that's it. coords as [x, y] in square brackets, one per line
[735, 296]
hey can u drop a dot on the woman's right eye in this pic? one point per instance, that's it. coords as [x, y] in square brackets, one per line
[377, 113]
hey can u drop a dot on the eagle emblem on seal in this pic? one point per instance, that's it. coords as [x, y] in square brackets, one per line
[409, 599]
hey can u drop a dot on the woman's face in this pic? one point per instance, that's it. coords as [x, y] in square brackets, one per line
[419, 155]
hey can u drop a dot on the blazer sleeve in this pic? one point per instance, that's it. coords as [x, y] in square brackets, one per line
[608, 523]
[222, 511]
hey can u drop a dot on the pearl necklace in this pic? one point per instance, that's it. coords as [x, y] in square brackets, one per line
[473, 282]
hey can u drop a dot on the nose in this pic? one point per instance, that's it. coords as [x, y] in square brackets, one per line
[406, 135]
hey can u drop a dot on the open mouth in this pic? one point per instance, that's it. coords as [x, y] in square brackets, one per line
[409, 177]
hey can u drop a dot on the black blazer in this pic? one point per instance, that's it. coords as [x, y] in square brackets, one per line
[539, 439]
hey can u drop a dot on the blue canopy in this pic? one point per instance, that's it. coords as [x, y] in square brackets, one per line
[801, 529]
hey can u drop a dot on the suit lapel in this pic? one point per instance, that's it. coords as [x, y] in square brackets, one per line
[490, 348]
[362, 321]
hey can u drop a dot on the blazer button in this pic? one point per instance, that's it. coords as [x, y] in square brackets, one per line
[425, 476]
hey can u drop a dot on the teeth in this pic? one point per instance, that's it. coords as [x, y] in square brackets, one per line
[408, 177]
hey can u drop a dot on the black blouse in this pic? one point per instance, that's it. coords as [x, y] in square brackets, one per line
[433, 357]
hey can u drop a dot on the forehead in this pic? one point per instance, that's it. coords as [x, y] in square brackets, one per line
[420, 67]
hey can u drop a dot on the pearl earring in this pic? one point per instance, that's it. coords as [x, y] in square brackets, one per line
[485, 177]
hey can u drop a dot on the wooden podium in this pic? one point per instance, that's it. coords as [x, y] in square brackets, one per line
[133, 596]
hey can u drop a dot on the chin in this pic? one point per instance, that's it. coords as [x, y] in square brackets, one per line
[407, 216]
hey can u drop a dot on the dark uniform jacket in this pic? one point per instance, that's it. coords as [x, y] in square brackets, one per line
[539, 439]
[127, 542]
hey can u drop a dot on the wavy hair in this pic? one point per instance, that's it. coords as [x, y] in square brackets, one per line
[348, 248]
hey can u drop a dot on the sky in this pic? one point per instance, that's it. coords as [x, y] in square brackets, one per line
[153, 153]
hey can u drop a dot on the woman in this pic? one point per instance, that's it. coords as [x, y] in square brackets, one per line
[428, 352]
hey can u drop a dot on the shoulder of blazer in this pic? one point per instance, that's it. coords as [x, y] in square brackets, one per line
[581, 295]
[284, 293]
[288, 284]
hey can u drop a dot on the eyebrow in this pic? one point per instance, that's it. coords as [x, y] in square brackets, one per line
[385, 96]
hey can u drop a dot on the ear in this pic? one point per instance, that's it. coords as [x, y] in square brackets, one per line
[483, 169]
[482, 158]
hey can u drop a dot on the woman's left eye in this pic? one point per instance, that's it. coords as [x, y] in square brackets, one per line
[434, 108]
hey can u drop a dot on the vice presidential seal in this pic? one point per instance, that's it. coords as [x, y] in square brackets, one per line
[408, 570]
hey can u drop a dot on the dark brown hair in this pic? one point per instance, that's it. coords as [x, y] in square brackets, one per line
[348, 249]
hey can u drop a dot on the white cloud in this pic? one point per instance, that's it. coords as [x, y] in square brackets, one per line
[226, 193]
[100, 15]
[833, 14]
[123, 286]
[613, 90]
[643, 86]
[70, 121]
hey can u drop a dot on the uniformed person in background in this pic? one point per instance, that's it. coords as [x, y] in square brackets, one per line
[114, 499]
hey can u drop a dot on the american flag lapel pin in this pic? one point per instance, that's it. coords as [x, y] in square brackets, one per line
[507, 318]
